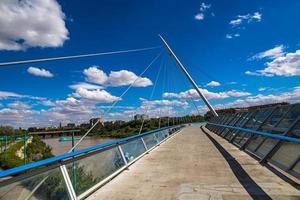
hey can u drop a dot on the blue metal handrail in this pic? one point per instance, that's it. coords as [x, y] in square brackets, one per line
[270, 135]
[62, 157]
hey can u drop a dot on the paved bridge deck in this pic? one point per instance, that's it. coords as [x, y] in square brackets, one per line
[193, 165]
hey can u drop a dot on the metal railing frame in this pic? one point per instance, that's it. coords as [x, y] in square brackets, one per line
[281, 139]
[61, 161]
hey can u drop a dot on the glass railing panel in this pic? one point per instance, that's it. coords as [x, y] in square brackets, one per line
[88, 171]
[244, 138]
[266, 147]
[159, 136]
[244, 119]
[293, 113]
[150, 141]
[48, 185]
[258, 118]
[239, 137]
[286, 154]
[232, 134]
[133, 149]
[254, 142]
[276, 116]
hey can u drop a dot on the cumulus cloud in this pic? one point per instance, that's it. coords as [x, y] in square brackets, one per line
[286, 65]
[101, 96]
[203, 8]
[125, 77]
[192, 94]
[256, 17]
[271, 53]
[213, 84]
[39, 72]
[116, 78]
[31, 23]
[95, 75]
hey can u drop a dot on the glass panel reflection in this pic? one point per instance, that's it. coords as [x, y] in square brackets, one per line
[150, 141]
[87, 172]
[133, 149]
[48, 185]
[286, 154]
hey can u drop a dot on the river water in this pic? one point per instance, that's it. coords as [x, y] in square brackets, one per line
[63, 147]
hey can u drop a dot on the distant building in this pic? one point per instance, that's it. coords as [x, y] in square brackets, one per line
[119, 122]
[32, 129]
[71, 125]
[108, 123]
[140, 117]
[84, 125]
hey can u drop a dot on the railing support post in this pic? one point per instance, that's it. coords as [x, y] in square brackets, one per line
[277, 144]
[122, 154]
[263, 122]
[68, 182]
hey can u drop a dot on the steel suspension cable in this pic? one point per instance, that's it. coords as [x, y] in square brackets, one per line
[151, 97]
[116, 101]
[76, 56]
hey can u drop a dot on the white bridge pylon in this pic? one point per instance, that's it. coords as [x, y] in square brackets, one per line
[172, 54]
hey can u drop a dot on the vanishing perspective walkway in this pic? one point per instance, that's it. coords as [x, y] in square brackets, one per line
[196, 165]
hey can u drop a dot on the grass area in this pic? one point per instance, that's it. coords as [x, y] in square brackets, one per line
[36, 150]
[9, 159]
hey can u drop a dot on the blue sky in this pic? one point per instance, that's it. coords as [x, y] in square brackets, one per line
[240, 53]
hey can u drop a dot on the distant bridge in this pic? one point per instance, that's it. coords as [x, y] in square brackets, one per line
[58, 133]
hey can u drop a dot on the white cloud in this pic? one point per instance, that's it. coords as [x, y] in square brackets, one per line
[287, 65]
[95, 75]
[125, 77]
[164, 102]
[246, 18]
[6, 95]
[15, 116]
[213, 84]
[39, 72]
[101, 96]
[292, 97]
[85, 86]
[115, 78]
[19, 105]
[203, 8]
[271, 53]
[199, 16]
[31, 23]
[234, 93]
[231, 36]
[262, 89]
[192, 94]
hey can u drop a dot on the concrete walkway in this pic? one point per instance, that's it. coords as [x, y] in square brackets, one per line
[191, 165]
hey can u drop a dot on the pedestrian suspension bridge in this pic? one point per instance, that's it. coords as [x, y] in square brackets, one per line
[251, 154]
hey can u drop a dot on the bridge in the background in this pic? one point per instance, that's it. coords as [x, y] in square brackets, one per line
[58, 133]
[246, 155]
